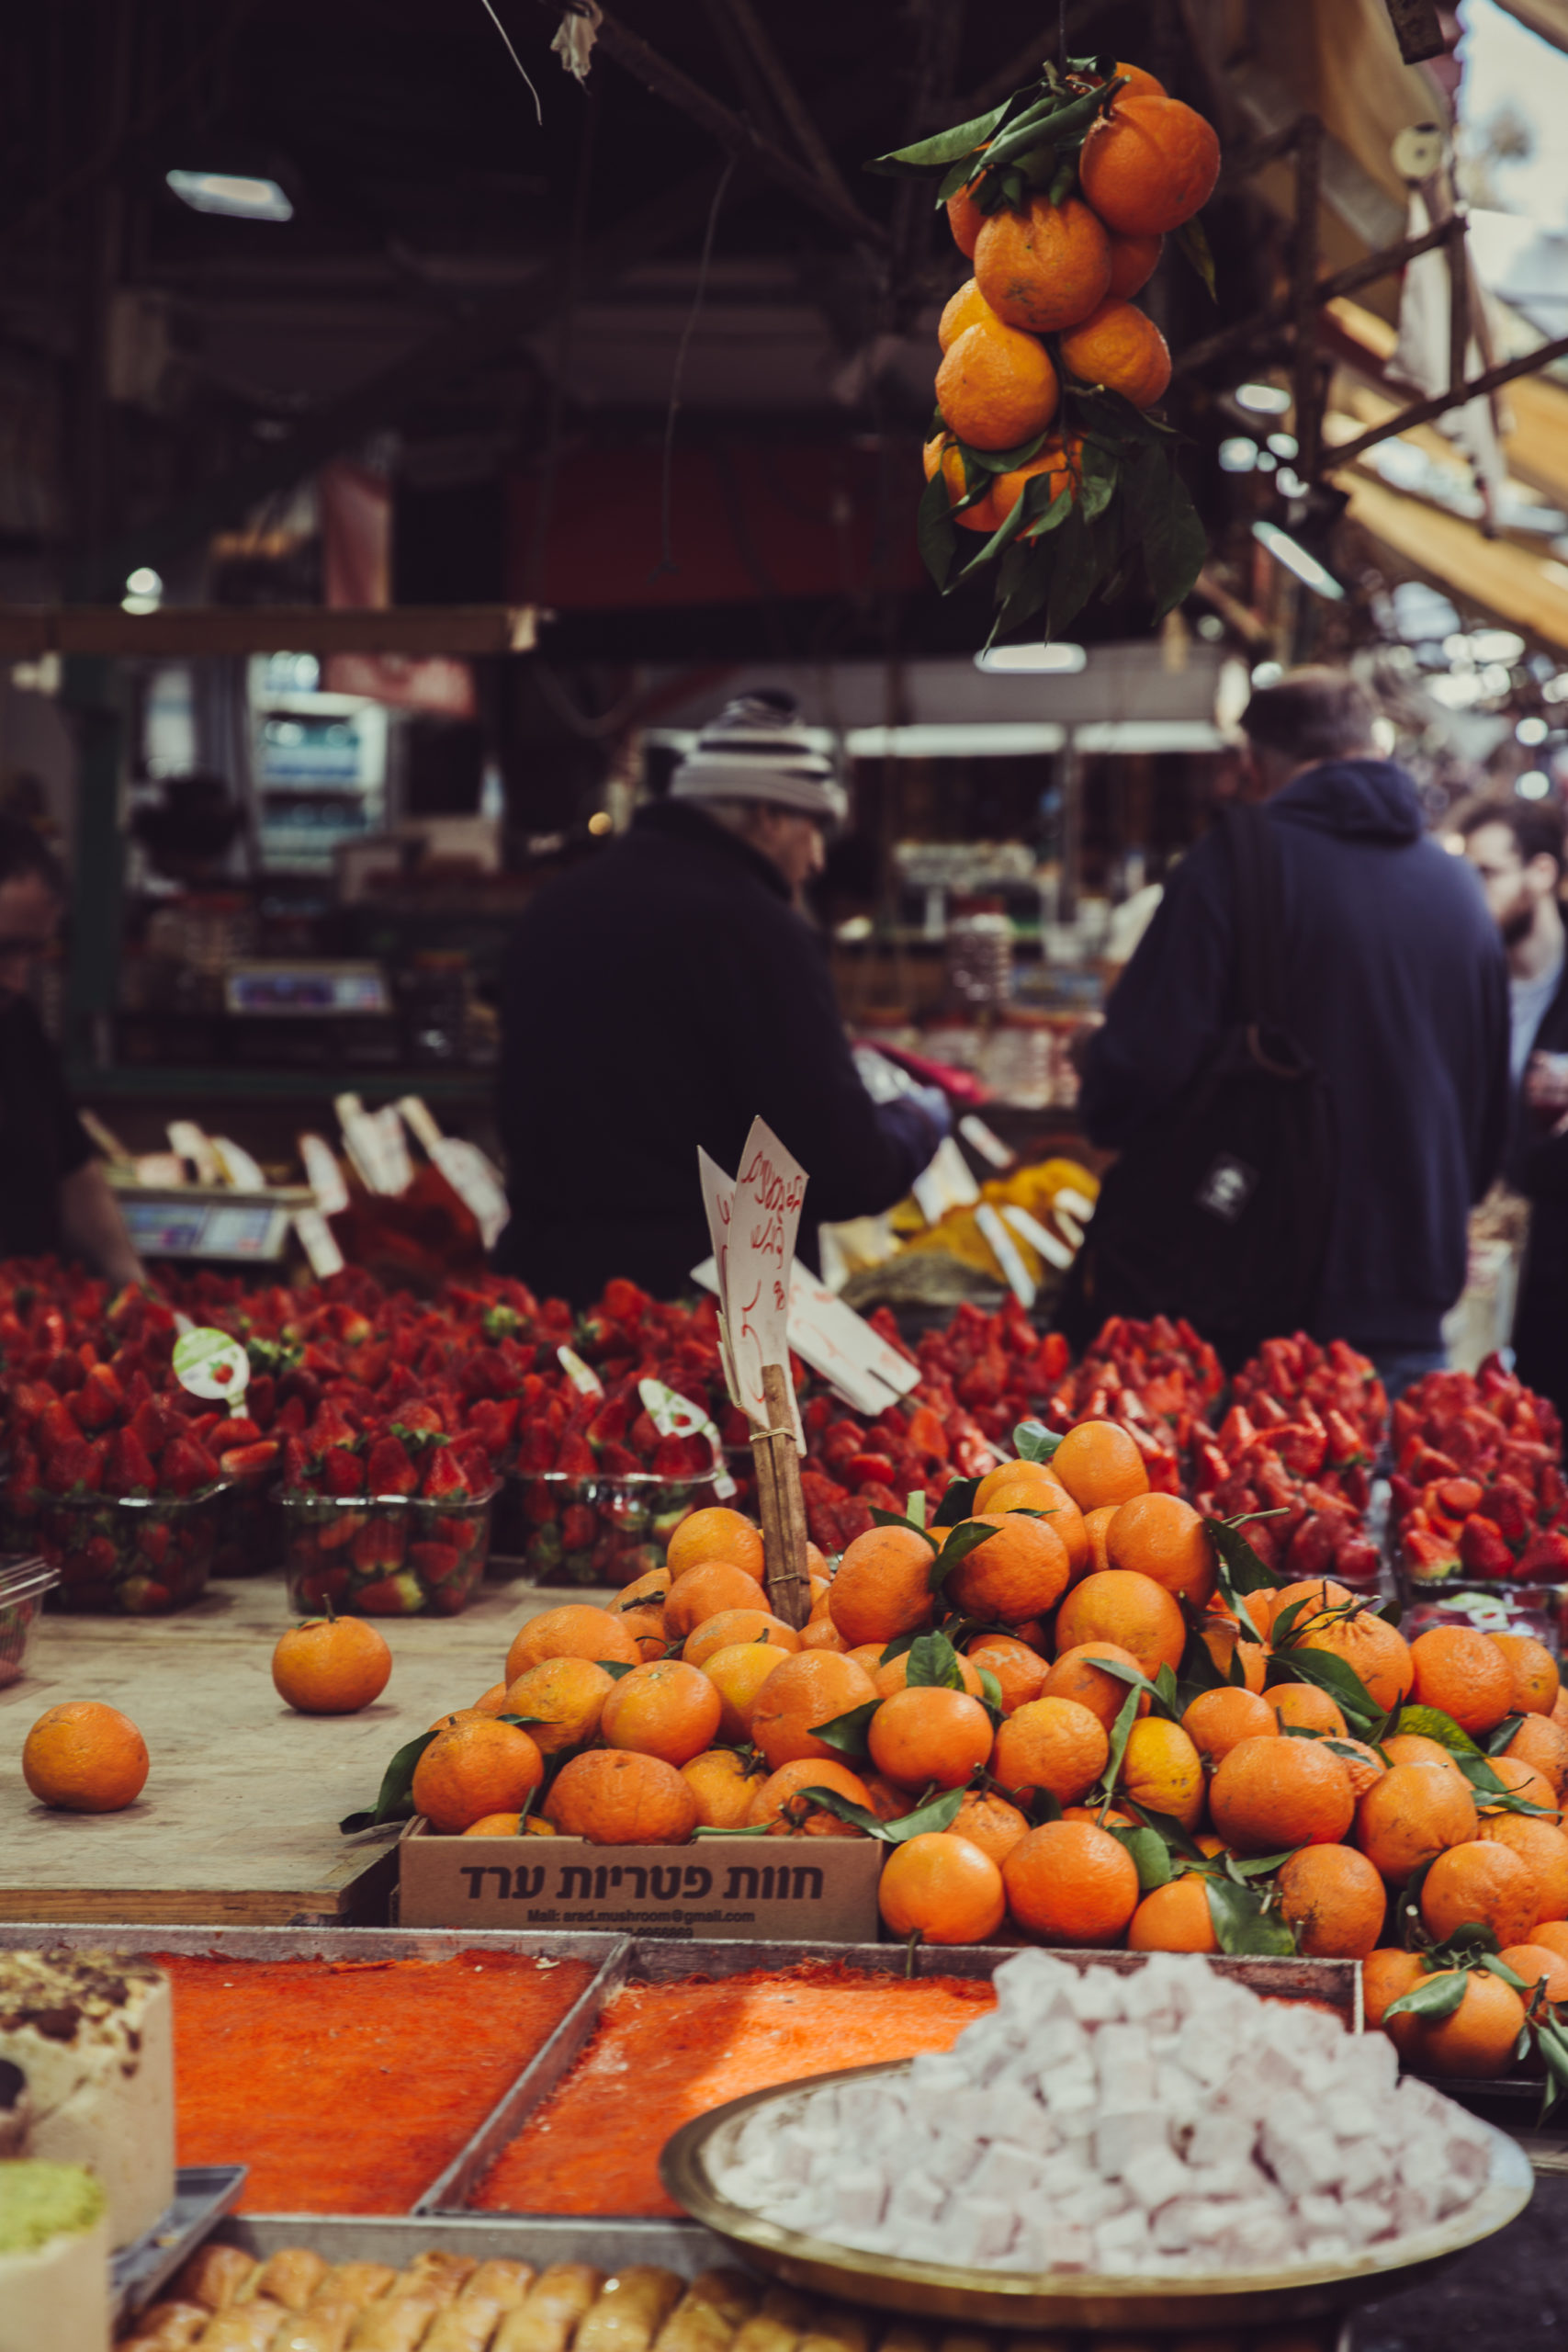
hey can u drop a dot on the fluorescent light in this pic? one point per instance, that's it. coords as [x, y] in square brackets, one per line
[1266, 461]
[1296, 558]
[1283, 444]
[1263, 400]
[1237, 453]
[1534, 784]
[1068, 660]
[1531, 731]
[1003, 738]
[232, 194]
[143, 591]
[1497, 645]
[1267, 673]
[1289, 483]
[1137, 735]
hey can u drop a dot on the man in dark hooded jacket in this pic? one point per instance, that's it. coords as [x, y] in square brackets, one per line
[1395, 988]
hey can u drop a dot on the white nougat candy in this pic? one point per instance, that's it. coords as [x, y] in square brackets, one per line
[1159, 2122]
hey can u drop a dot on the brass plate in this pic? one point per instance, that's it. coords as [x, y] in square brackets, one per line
[1064, 2299]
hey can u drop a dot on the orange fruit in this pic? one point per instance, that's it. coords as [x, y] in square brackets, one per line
[895, 1674]
[1218, 1720]
[574, 1630]
[1097, 1526]
[732, 1625]
[1464, 1674]
[1387, 1974]
[669, 1709]
[1175, 1918]
[923, 1735]
[1520, 1780]
[996, 388]
[1137, 79]
[1309, 1597]
[1029, 1486]
[646, 1627]
[1070, 1883]
[1077, 1676]
[331, 1665]
[458, 1715]
[1017, 1573]
[644, 1591]
[717, 1533]
[1480, 2038]
[1363, 1763]
[1306, 1707]
[1163, 1772]
[968, 308]
[821, 1633]
[1544, 1851]
[990, 1823]
[1120, 347]
[1051, 1744]
[1541, 1741]
[84, 1757]
[1099, 1462]
[1021, 1671]
[1414, 1813]
[702, 1593]
[722, 1785]
[1484, 1881]
[474, 1769]
[1374, 1650]
[882, 1588]
[562, 1700]
[1335, 1900]
[737, 1674]
[495, 1825]
[778, 1801]
[1132, 263]
[944, 453]
[942, 1886]
[1535, 1960]
[1415, 1747]
[1222, 1637]
[1148, 164]
[613, 1797]
[1043, 268]
[1051, 1503]
[1130, 1610]
[966, 219]
[1534, 1671]
[1270, 1793]
[807, 1689]
[1162, 1537]
[1553, 1934]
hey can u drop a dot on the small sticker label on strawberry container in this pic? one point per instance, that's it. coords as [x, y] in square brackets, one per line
[673, 1415]
[583, 1377]
[209, 1364]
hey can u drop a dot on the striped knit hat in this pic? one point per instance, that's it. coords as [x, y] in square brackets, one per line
[757, 750]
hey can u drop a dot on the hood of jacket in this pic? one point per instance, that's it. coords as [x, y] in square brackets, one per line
[1371, 800]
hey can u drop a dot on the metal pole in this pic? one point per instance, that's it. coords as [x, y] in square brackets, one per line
[92, 690]
[1309, 174]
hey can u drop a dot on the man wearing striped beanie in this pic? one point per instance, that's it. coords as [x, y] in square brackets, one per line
[663, 995]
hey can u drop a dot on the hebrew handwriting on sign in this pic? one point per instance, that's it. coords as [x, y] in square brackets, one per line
[753, 1222]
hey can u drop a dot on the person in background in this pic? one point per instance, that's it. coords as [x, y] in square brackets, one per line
[665, 994]
[54, 1197]
[1516, 847]
[1395, 990]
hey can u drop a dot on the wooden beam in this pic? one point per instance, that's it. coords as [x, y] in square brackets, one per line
[1329, 289]
[29, 631]
[1422, 411]
[785, 97]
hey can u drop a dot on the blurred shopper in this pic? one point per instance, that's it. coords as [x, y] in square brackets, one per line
[54, 1196]
[1518, 850]
[1390, 1003]
[663, 996]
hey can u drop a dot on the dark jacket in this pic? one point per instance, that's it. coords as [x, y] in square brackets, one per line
[1396, 988]
[659, 998]
[1537, 1166]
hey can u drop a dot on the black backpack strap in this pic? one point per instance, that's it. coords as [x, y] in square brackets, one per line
[1259, 918]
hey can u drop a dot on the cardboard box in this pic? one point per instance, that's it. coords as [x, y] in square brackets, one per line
[796, 1890]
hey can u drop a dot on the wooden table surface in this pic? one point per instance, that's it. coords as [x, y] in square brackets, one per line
[238, 1822]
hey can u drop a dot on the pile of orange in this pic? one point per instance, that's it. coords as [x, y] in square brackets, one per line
[1065, 270]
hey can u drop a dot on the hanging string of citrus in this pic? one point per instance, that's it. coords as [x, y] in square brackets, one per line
[1046, 441]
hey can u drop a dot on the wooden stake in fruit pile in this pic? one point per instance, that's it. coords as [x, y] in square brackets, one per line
[1045, 437]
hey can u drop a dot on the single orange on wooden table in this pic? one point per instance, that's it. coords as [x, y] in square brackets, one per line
[84, 1757]
[331, 1665]
[474, 1769]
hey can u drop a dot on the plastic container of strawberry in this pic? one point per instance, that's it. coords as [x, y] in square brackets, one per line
[24, 1581]
[385, 1556]
[127, 1554]
[1540, 1610]
[250, 1534]
[598, 1531]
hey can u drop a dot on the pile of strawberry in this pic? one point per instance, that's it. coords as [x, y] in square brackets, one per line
[1311, 1476]
[998, 1366]
[1478, 1483]
[1332, 1380]
[1142, 1373]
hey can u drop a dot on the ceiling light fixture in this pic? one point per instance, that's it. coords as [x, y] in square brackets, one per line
[1534, 784]
[233, 195]
[1263, 400]
[1005, 661]
[1296, 558]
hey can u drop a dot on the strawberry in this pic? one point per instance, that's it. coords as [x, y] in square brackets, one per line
[389, 1470]
[66, 1465]
[395, 1596]
[184, 1467]
[249, 1462]
[419, 1420]
[128, 1469]
[57, 1426]
[685, 1457]
[575, 1459]
[343, 1473]
[433, 1562]
[444, 1480]
[241, 1430]
[300, 1465]
[101, 1399]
